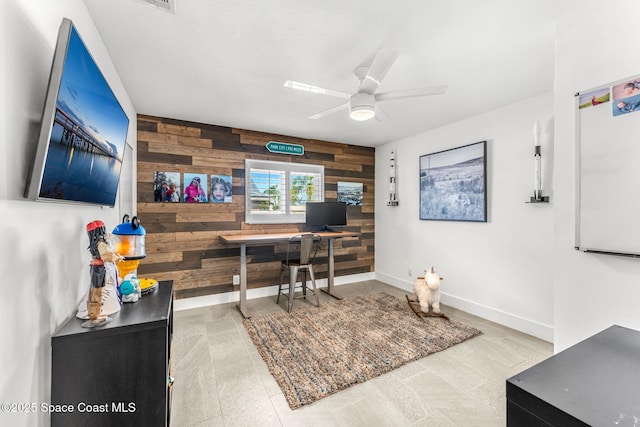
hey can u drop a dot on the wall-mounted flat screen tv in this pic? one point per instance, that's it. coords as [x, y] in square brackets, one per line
[83, 132]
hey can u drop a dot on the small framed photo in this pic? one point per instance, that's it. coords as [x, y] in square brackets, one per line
[221, 189]
[350, 193]
[195, 188]
[166, 187]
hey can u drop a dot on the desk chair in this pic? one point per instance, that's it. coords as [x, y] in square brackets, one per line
[308, 243]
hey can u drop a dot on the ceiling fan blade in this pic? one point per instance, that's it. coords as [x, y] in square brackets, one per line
[381, 114]
[378, 69]
[411, 93]
[315, 89]
[329, 111]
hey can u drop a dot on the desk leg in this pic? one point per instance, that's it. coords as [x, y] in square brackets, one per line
[242, 305]
[329, 289]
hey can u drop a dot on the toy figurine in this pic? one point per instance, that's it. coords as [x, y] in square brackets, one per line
[102, 299]
[130, 289]
[426, 291]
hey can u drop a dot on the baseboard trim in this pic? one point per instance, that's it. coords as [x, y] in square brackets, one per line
[225, 298]
[527, 326]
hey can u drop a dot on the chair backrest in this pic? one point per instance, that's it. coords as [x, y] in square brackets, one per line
[309, 243]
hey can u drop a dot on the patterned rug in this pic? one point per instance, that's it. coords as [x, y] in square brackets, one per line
[314, 352]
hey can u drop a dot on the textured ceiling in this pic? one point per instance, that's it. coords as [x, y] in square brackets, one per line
[225, 62]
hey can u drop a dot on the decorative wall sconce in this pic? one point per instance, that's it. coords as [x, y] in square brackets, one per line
[537, 159]
[393, 198]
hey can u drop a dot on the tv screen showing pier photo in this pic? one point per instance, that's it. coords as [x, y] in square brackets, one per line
[84, 130]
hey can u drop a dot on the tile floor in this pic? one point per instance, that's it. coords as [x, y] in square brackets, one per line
[220, 379]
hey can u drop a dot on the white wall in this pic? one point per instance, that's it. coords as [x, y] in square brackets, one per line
[595, 45]
[44, 261]
[501, 269]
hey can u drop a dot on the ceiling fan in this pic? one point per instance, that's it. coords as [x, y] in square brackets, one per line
[362, 104]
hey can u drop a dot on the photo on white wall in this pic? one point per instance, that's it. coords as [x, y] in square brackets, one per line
[626, 97]
[453, 184]
[593, 98]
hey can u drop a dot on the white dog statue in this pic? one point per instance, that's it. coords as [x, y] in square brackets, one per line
[427, 290]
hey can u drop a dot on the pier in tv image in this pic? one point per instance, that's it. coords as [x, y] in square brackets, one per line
[88, 134]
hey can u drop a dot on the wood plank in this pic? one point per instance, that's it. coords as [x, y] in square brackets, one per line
[352, 158]
[181, 149]
[206, 217]
[155, 257]
[195, 236]
[203, 161]
[195, 142]
[173, 129]
[153, 137]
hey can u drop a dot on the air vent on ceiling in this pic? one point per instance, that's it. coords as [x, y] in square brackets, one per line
[168, 5]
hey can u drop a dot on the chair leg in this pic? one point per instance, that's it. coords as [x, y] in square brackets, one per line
[313, 283]
[293, 275]
[304, 282]
[280, 284]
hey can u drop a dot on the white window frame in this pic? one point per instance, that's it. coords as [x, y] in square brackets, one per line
[284, 215]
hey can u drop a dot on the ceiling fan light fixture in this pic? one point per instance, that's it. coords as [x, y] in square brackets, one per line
[361, 107]
[362, 113]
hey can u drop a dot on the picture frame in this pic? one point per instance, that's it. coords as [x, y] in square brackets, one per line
[350, 193]
[453, 184]
[195, 188]
[166, 187]
[221, 189]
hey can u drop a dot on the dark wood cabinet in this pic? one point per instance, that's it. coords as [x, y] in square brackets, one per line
[593, 383]
[116, 374]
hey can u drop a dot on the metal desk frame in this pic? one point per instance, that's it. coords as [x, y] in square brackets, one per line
[264, 239]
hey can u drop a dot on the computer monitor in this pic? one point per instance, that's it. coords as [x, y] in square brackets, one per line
[326, 214]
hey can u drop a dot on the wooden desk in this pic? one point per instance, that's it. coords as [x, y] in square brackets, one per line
[263, 239]
[593, 383]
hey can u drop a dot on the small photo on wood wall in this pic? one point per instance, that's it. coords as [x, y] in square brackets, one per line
[195, 189]
[221, 189]
[350, 193]
[166, 187]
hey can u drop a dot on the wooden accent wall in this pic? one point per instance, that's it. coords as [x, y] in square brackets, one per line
[182, 239]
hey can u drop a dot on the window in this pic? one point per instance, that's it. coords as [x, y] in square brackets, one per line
[277, 192]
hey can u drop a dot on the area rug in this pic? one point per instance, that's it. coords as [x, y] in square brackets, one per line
[317, 351]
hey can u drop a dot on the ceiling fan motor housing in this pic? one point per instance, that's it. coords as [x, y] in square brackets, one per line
[361, 106]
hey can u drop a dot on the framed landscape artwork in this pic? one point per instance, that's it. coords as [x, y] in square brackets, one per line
[350, 193]
[453, 184]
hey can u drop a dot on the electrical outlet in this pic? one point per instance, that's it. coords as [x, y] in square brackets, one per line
[236, 279]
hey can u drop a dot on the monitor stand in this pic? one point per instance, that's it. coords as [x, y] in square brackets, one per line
[326, 229]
